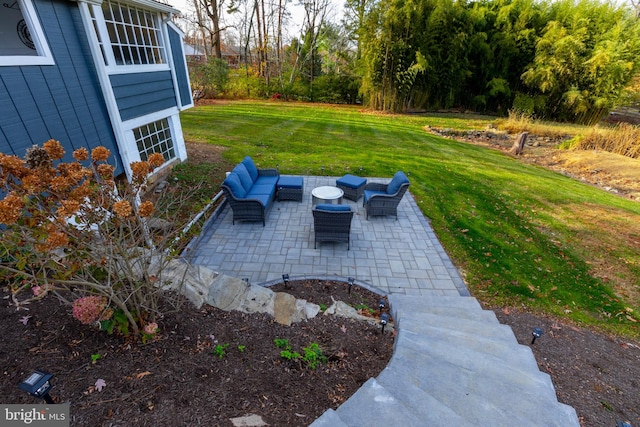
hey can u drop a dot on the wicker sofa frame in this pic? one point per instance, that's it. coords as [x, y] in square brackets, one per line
[332, 226]
[383, 203]
[249, 209]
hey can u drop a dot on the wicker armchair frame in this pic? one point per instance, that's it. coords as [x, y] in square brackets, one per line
[249, 209]
[332, 226]
[383, 204]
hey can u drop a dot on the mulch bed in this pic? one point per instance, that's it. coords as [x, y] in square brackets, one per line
[205, 367]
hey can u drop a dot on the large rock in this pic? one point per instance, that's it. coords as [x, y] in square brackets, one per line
[284, 308]
[192, 281]
[258, 299]
[227, 293]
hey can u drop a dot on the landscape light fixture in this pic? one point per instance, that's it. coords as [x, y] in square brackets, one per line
[285, 277]
[350, 281]
[38, 385]
[384, 319]
[322, 168]
[537, 332]
[382, 304]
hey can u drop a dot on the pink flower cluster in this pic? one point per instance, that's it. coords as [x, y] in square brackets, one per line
[151, 328]
[88, 309]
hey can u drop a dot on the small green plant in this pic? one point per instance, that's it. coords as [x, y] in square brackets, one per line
[323, 307]
[290, 355]
[364, 307]
[313, 356]
[95, 357]
[242, 348]
[282, 343]
[118, 321]
[220, 350]
[312, 353]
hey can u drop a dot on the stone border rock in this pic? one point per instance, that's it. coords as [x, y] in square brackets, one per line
[201, 285]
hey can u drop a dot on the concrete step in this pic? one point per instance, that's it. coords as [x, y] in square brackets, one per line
[480, 398]
[373, 405]
[421, 322]
[515, 374]
[430, 410]
[501, 352]
[329, 418]
[413, 303]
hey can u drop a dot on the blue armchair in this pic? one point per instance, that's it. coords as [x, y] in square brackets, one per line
[383, 199]
[332, 223]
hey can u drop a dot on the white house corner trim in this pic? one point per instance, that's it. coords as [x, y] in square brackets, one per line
[179, 142]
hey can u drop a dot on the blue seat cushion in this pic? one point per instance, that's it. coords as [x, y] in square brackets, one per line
[265, 199]
[290, 182]
[251, 167]
[369, 193]
[234, 184]
[261, 189]
[245, 177]
[351, 181]
[266, 180]
[398, 180]
[333, 208]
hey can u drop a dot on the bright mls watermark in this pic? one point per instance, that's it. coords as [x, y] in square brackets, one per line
[35, 415]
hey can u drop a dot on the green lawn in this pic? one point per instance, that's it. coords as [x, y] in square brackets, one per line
[513, 230]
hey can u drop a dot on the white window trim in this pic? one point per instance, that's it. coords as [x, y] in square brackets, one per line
[44, 56]
[111, 67]
[173, 118]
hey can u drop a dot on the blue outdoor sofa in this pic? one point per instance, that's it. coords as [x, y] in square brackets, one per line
[250, 191]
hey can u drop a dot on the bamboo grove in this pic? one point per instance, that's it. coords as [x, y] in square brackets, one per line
[562, 60]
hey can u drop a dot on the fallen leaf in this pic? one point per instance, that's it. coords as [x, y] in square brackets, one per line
[100, 384]
[25, 319]
[142, 374]
[343, 329]
[506, 311]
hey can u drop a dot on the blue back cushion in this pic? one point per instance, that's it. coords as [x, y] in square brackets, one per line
[334, 208]
[244, 176]
[398, 179]
[251, 168]
[234, 184]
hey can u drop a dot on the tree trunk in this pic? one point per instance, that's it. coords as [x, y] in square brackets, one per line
[518, 145]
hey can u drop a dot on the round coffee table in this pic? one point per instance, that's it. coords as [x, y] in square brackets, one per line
[326, 194]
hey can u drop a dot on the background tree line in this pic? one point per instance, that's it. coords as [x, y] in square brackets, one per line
[564, 60]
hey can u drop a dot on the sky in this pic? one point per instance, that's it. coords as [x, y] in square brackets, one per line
[297, 12]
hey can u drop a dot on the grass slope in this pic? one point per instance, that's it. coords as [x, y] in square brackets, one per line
[514, 230]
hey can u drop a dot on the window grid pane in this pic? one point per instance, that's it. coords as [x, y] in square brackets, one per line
[134, 34]
[154, 137]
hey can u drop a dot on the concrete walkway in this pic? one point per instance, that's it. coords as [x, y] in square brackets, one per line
[453, 362]
[402, 256]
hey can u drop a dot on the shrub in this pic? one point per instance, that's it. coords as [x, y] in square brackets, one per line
[71, 231]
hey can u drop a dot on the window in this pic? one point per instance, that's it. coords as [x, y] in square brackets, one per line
[154, 137]
[22, 40]
[134, 34]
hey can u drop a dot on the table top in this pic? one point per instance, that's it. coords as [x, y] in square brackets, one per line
[327, 192]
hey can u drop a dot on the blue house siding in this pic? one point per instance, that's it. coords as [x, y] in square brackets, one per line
[63, 101]
[143, 93]
[180, 65]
